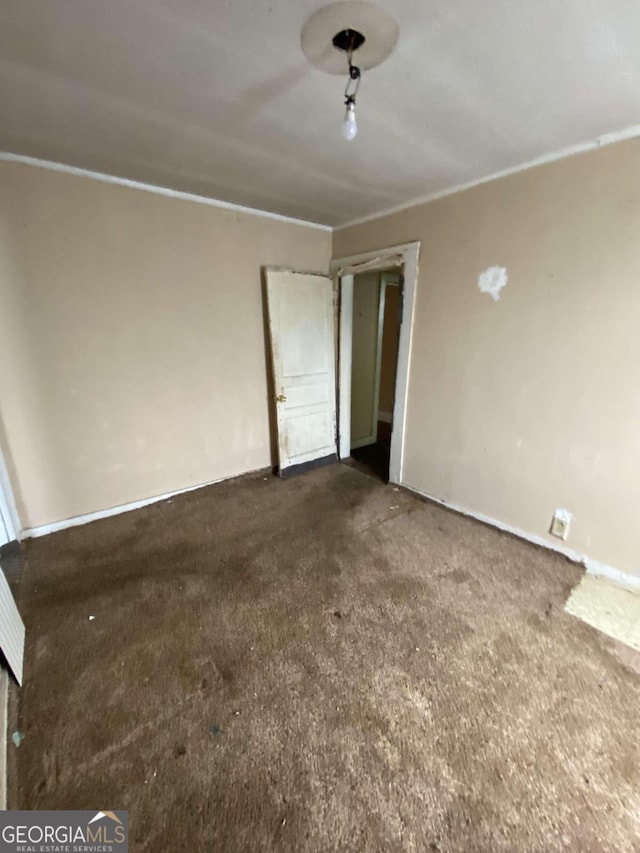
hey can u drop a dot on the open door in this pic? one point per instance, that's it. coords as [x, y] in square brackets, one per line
[301, 323]
[5, 536]
[8, 514]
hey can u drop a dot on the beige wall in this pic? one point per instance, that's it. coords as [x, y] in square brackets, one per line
[132, 354]
[364, 346]
[530, 403]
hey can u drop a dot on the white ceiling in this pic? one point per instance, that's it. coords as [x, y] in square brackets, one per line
[214, 97]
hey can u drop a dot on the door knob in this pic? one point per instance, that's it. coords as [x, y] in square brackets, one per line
[281, 398]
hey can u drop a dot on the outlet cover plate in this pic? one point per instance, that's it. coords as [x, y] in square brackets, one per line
[560, 524]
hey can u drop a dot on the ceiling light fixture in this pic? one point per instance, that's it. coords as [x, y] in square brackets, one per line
[348, 41]
[344, 27]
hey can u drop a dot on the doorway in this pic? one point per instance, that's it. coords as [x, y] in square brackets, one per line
[402, 262]
[376, 324]
[313, 412]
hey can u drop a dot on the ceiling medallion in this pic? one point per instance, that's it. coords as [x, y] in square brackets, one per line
[342, 29]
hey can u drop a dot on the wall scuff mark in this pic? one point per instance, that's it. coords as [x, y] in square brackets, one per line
[492, 281]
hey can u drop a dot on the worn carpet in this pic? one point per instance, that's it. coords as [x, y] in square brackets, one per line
[322, 664]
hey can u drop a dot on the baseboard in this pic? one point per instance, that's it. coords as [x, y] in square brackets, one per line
[616, 576]
[592, 567]
[385, 417]
[77, 520]
[363, 442]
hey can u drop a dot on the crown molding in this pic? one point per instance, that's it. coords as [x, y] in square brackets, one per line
[9, 157]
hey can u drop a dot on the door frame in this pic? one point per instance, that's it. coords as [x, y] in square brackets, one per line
[8, 508]
[343, 270]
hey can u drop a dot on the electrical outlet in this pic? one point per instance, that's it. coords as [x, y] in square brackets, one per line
[560, 524]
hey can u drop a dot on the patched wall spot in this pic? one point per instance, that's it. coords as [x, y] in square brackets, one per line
[492, 281]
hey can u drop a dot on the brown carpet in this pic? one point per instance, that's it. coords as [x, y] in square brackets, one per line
[322, 664]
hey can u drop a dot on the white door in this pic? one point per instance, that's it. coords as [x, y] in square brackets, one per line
[8, 519]
[303, 353]
[4, 533]
[7, 533]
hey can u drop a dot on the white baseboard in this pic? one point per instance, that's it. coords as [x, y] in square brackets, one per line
[385, 417]
[363, 442]
[77, 520]
[619, 578]
[592, 567]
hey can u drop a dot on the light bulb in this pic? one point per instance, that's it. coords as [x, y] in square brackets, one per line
[349, 123]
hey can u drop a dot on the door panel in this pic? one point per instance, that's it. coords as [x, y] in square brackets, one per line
[307, 395]
[302, 341]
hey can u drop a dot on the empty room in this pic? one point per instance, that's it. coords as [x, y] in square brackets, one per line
[319, 426]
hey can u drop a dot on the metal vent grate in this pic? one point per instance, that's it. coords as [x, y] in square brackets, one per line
[11, 630]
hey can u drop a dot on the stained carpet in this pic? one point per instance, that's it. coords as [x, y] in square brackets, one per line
[322, 664]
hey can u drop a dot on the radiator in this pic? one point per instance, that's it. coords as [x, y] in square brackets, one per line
[11, 630]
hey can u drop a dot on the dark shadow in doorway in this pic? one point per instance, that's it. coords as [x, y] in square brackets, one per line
[373, 459]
